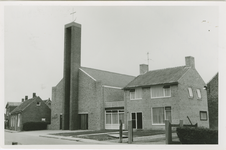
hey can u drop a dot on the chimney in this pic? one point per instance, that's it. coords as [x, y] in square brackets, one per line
[22, 100]
[34, 95]
[143, 68]
[26, 97]
[190, 61]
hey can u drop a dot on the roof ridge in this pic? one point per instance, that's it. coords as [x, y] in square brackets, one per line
[167, 68]
[108, 71]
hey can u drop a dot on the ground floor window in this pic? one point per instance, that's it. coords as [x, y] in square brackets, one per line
[160, 114]
[113, 117]
[203, 115]
[18, 121]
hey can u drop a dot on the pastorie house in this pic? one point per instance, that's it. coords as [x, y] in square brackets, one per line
[93, 99]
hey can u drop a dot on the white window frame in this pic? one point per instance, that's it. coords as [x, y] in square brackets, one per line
[164, 94]
[135, 93]
[118, 112]
[190, 91]
[18, 120]
[164, 115]
[198, 91]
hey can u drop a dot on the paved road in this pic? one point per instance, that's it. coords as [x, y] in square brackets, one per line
[29, 138]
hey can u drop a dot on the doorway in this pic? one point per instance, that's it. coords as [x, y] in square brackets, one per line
[137, 122]
[60, 121]
[83, 121]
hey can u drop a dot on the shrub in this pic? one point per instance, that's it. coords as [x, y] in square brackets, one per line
[189, 135]
[29, 126]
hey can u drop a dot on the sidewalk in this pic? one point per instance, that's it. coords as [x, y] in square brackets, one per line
[153, 139]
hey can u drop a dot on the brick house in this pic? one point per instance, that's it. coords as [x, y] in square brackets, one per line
[87, 98]
[212, 96]
[10, 106]
[30, 110]
[171, 93]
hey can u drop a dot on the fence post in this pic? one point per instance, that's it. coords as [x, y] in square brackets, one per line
[181, 123]
[120, 132]
[130, 132]
[168, 132]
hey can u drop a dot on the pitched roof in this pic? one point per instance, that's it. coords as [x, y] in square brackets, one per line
[156, 77]
[13, 104]
[109, 78]
[24, 105]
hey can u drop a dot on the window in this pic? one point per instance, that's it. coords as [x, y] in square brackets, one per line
[198, 93]
[114, 116]
[203, 115]
[160, 114]
[160, 91]
[168, 113]
[136, 94]
[18, 121]
[190, 93]
[38, 103]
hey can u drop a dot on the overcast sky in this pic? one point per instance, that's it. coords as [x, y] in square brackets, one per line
[114, 38]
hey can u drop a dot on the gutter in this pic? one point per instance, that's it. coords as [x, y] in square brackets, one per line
[147, 86]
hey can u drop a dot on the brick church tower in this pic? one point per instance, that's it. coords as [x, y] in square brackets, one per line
[72, 63]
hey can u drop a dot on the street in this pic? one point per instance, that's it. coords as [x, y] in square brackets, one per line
[33, 138]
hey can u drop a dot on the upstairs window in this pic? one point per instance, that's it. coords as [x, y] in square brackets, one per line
[160, 91]
[38, 104]
[190, 92]
[199, 93]
[136, 94]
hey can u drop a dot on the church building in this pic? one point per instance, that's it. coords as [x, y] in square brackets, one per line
[92, 99]
[86, 98]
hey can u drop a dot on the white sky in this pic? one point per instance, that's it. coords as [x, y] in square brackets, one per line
[114, 38]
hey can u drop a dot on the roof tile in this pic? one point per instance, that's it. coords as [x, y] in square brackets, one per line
[109, 78]
[155, 77]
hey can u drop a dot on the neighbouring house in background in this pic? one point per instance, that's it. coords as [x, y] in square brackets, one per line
[48, 102]
[173, 93]
[212, 96]
[10, 106]
[93, 99]
[30, 110]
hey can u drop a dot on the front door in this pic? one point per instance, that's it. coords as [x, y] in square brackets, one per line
[83, 121]
[60, 121]
[137, 120]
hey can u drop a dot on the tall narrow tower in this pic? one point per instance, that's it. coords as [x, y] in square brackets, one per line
[72, 62]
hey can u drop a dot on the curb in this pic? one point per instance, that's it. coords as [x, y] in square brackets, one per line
[76, 139]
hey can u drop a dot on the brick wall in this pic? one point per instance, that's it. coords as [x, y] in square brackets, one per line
[113, 95]
[191, 107]
[91, 101]
[57, 100]
[212, 95]
[146, 104]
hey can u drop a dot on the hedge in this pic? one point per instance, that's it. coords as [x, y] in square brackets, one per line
[189, 135]
[29, 126]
